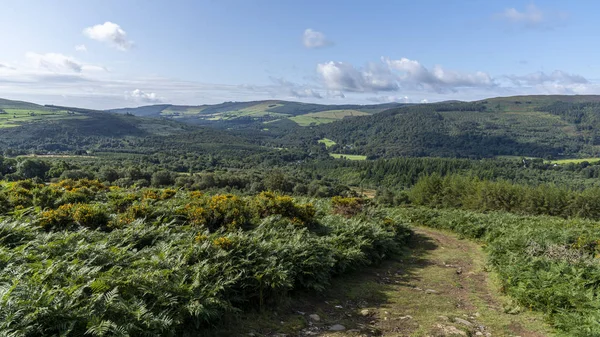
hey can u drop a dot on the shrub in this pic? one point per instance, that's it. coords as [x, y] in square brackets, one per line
[227, 211]
[57, 219]
[347, 207]
[90, 216]
[269, 203]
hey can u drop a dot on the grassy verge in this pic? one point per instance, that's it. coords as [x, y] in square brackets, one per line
[545, 264]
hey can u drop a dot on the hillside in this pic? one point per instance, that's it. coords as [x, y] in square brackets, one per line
[257, 112]
[538, 126]
[30, 128]
[533, 126]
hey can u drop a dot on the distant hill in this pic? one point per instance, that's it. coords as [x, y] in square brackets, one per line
[236, 113]
[8, 104]
[538, 126]
[30, 128]
[531, 126]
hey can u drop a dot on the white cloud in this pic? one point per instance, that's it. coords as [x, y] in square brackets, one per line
[313, 39]
[54, 62]
[532, 17]
[54, 78]
[141, 96]
[438, 79]
[345, 77]
[81, 48]
[110, 33]
[392, 75]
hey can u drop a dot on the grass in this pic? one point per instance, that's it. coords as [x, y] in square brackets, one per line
[308, 121]
[394, 295]
[325, 117]
[257, 110]
[348, 156]
[328, 142]
[16, 117]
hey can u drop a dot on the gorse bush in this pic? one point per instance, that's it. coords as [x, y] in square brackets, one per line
[347, 206]
[161, 262]
[545, 263]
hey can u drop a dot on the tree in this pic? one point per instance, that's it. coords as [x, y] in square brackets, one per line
[108, 174]
[162, 178]
[31, 168]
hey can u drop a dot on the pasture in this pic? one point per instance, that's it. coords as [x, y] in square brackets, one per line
[348, 156]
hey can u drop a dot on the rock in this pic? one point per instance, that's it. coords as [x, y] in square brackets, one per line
[417, 289]
[449, 330]
[431, 291]
[459, 271]
[406, 317]
[463, 322]
[337, 327]
[315, 317]
[365, 312]
[339, 307]
[386, 312]
[479, 333]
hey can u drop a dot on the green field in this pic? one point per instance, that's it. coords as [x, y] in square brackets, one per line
[16, 117]
[328, 142]
[325, 117]
[348, 156]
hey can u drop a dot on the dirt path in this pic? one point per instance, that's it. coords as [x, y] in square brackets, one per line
[440, 288]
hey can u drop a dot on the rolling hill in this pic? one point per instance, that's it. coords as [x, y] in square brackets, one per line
[257, 112]
[539, 126]
[532, 126]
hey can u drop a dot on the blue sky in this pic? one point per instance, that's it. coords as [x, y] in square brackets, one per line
[105, 54]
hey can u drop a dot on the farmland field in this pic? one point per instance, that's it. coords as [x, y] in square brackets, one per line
[325, 117]
[16, 117]
[328, 142]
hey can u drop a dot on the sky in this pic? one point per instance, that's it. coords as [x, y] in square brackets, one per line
[109, 54]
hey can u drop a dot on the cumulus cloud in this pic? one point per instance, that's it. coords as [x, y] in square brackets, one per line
[141, 96]
[110, 33]
[392, 75]
[438, 78]
[81, 48]
[345, 77]
[313, 39]
[532, 17]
